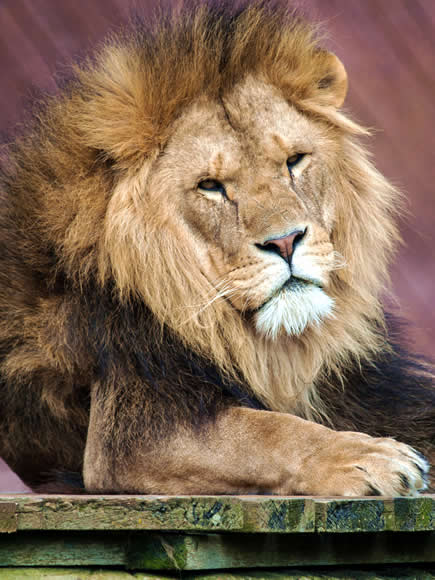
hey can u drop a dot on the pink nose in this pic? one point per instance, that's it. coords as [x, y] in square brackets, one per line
[285, 245]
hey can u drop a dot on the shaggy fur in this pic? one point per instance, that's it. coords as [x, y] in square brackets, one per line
[102, 290]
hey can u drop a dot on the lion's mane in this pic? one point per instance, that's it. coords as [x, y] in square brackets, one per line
[77, 180]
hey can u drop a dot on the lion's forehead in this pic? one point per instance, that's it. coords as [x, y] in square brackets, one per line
[261, 115]
[252, 125]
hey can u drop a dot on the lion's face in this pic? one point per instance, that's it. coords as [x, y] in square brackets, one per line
[247, 179]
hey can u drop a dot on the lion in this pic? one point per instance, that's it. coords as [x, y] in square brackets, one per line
[193, 248]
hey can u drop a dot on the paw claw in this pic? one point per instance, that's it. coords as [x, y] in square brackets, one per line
[373, 490]
[405, 481]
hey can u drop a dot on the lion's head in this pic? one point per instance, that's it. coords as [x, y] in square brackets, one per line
[206, 168]
[249, 176]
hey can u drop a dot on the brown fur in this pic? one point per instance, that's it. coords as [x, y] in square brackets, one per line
[109, 245]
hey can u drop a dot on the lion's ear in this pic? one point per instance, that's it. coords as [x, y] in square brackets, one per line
[332, 85]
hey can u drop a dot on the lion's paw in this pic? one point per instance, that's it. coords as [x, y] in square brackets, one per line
[356, 464]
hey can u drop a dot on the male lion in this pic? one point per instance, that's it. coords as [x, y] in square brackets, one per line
[193, 247]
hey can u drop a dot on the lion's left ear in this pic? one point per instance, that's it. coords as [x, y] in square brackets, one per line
[331, 87]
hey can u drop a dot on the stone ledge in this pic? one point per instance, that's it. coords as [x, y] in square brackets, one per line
[387, 573]
[247, 514]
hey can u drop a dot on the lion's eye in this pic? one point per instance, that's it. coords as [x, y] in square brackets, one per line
[212, 185]
[293, 160]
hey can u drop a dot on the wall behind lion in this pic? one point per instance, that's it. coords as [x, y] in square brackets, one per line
[388, 49]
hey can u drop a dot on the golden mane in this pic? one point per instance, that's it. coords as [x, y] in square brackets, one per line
[87, 155]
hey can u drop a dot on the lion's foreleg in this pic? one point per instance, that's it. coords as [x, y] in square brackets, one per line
[249, 451]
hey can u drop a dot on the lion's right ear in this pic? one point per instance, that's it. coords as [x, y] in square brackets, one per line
[331, 85]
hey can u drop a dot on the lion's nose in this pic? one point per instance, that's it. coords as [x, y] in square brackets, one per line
[285, 245]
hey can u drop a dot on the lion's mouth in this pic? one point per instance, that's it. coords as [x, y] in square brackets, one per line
[293, 284]
[291, 308]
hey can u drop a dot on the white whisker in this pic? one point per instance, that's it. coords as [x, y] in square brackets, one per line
[224, 293]
[339, 261]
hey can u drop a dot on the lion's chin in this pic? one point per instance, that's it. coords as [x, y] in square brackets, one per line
[292, 310]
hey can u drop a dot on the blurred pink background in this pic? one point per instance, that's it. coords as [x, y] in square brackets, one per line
[388, 49]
